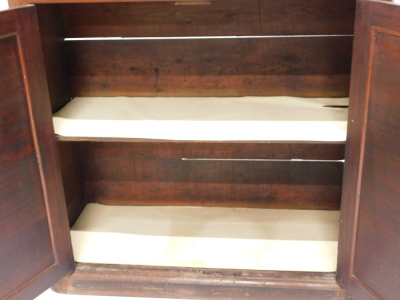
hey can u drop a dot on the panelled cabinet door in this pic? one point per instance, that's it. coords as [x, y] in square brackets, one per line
[35, 250]
[369, 245]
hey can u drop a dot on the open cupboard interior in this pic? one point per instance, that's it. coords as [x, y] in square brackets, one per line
[196, 144]
[179, 71]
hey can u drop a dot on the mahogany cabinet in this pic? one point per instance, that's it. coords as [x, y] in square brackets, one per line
[295, 48]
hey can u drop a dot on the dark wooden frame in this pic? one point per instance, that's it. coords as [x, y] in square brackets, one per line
[195, 283]
[310, 283]
[373, 18]
[32, 156]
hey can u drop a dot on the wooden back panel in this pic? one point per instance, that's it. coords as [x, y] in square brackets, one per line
[238, 174]
[217, 18]
[154, 173]
[307, 67]
[196, 64]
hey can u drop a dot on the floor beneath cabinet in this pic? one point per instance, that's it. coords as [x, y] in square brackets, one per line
[51, 295]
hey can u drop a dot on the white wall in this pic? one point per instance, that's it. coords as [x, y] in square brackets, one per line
[3, 4]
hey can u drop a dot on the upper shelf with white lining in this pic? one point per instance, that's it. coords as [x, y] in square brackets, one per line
[205, 118]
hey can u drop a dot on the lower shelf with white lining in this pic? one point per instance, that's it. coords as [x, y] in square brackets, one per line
[208, 237]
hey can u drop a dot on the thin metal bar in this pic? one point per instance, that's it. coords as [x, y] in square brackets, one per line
[200, 37]
[263, 159]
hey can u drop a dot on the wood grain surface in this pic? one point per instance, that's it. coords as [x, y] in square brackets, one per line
[35, 247]
[192, 283]
[218, 18]
[308, 67]
[52, 36]
[73, 180]
[137, 148]
[297, 185]
[205, 173]
[368, 263]
[378, 238]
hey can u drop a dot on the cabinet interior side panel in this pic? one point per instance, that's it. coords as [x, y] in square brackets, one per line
[51, 29]
[73, 180]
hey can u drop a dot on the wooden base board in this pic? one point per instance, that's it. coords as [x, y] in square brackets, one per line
[195, 283]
